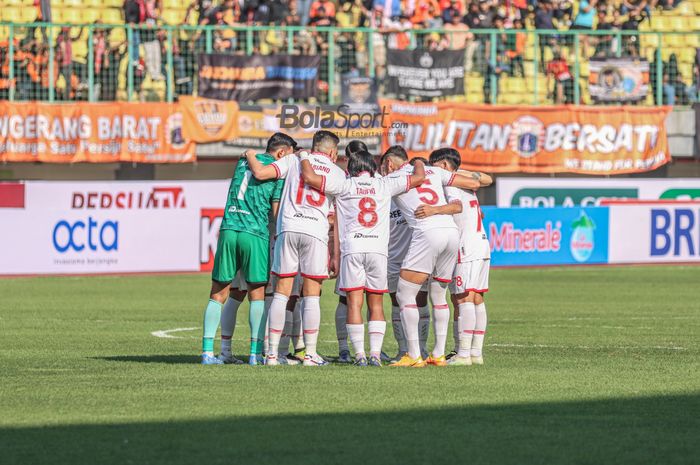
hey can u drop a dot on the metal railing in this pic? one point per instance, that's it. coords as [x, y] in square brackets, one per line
[97, 62]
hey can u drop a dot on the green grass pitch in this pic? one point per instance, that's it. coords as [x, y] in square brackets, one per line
[583, 366]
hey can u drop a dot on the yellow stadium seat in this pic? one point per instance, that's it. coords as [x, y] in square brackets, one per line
[649, 40]
[11, 15]
[57, 15]
[173, 17]
[72, 16]
[93, 3]
[693, 40]
[80, 50]
[90, 15]
[113, 3]
[509, 99]
[694, 24]
[11, 3]
[517, 85]
[678, 24]
[674, 40]
[475, 98]
[112, 16]
[685, 9]
[28, 15]
[73, 3]
[173, 5]
[118, 35]
[4, 32]
[696, 7]
[660, 23]
[686, 55]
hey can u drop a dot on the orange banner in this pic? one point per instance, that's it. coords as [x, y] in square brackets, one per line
[93, 132]
[501, 139]
[207, 120]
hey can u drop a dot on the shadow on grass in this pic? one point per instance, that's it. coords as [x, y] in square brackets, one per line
[655, 430]
[170, 359]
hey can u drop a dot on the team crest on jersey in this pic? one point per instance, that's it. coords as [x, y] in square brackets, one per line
[173, 128]
[527, 136]
[211, 115]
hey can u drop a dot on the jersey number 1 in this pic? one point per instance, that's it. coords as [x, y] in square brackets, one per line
[310, 198]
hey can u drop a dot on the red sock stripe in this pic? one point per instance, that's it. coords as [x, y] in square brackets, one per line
[310, 331]
[276, 331]
[441, 307]
[479, 332]
[410, 306]
[468, 331]
[225, 338]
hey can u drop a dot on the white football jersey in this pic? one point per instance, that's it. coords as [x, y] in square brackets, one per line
[362, 212]
[473, 241]
[304, 209]
[399, 234]
[431, 192]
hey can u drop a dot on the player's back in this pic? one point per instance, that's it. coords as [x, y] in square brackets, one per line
[473, 241]
[431, 192]
[304, 209]
[248, 202]
[363, 215]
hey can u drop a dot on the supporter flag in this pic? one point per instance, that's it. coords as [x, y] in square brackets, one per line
[618, 80]
[255, 77]
[424, 73]
[208, 120]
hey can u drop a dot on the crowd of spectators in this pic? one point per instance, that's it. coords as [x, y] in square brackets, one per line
[400, 24]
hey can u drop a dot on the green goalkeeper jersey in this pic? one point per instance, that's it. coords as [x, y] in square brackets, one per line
[249, 200]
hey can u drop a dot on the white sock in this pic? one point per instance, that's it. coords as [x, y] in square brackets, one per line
[357, 337]
[376, 331]
[455, 334]
[410, 318]
[341, 317]
[467, 322]
[266, 340]
[286, 333]
[228, 324]
[398, 329]
[297, 331]
[276, 317]
[424, 328]
[479, 330]
[311, 321]
[441, 316]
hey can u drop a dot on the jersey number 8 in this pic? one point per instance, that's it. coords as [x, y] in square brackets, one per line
[368, 212]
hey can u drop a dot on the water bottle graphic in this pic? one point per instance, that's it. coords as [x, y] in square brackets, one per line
[582, 238]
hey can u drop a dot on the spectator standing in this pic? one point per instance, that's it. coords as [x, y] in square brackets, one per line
[558, 71]
[64, 57]
[134, 15]
[584, 22]
[151, 44]
[460, 37]
[544, 20]
[515, 46]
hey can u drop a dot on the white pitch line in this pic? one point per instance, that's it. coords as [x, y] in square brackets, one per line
[546, 346]
[165, 334]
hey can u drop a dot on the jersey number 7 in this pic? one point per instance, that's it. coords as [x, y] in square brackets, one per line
[312, 197]
[475, 204]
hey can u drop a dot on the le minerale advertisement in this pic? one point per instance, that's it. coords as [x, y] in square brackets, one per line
[424, 73]
[93, 132]
[551, 139]
[255, 77]
[546, 192]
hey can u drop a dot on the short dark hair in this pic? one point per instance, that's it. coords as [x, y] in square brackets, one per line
[324, 139]
[355, 146]
[448, 154]
[279, 140]
[361, 161]
[414, 160]
[395, 151]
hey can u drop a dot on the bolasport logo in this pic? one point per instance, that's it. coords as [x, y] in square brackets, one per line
[154, 198]
[86, 235]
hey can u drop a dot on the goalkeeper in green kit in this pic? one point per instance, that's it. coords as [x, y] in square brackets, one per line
[244, 244]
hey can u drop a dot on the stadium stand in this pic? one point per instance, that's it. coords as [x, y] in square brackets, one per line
[96, 56]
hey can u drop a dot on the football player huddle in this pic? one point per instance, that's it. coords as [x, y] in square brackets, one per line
[412, 229]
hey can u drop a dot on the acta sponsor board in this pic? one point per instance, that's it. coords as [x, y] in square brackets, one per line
[90, 234]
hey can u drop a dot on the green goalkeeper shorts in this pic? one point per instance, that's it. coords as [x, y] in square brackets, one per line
[237, 250]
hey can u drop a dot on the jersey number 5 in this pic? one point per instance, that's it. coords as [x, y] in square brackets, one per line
[368, 212]
[313, 197]
[429, 196]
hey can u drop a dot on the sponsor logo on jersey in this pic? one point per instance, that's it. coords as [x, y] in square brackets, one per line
[359, 235]
[155, 198]
[235, 209]
[305, 217]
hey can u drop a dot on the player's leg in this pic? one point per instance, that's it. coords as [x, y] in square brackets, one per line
[447, 243]
[415, 270]
[253, 254]
[341, 332]
[313, 265]
[464, 317]
[482, 286]
[228, 319]
[424, 319]
[352, 280]
[284, 265]
[375, 287]
[222, 274]
[455, 323]
[393, 282]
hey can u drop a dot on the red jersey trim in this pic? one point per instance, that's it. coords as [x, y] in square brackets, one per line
[376, 291]
[323, 184]
[480, 291]
[408, 183]
[310, 276]
[442, 280]
[277, 170]
[452, 179]
[284, 275]
[351, 289]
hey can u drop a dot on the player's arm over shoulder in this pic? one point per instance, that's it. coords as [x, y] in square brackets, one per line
[484, 179]
[470, 181]
[263, 172]
[332, 182]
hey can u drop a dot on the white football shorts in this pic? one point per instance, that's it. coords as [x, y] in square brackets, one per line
[472, 276]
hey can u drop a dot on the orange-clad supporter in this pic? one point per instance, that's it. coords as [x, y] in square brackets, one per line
[328, 7]
[424, 11]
